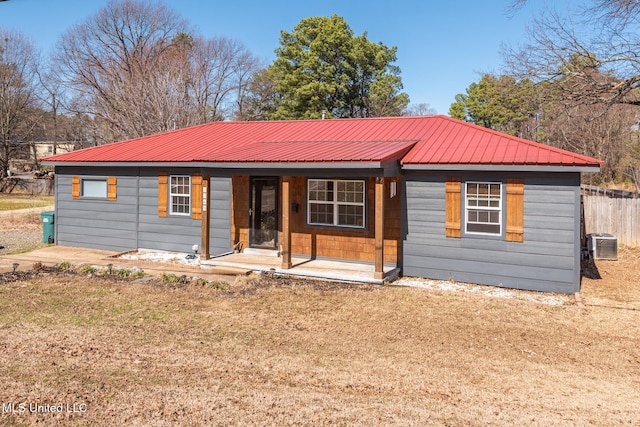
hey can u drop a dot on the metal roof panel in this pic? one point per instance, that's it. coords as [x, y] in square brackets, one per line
[426, 140]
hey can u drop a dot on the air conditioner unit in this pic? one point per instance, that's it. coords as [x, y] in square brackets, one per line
[603, 246]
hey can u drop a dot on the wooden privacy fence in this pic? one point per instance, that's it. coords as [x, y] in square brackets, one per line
[614, 212]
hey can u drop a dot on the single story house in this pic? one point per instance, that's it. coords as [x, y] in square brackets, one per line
[431, 196]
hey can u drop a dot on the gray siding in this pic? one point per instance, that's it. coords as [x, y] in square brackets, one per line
[220, 216]
[547, 260]
[172, 233]
[132, 221]
[95, 223]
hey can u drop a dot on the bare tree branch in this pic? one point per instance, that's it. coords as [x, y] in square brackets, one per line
[595, 58]
[18, 94]
[136, 67]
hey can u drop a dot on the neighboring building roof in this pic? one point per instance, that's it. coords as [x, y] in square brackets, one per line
[419, 142]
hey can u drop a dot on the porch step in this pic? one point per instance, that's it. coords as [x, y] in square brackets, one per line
[261, 252]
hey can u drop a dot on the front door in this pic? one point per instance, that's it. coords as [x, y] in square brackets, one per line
[263, 213]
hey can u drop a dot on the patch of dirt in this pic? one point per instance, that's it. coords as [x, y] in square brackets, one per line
[256, 283]
[614, 283]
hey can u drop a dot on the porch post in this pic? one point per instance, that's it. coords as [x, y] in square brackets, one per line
[379, 229]
[204, 244]
[286, 224]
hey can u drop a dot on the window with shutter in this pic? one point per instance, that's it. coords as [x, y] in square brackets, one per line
[94, 187]
[484, 205]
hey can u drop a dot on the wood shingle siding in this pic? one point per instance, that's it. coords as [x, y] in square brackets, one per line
[327, 241]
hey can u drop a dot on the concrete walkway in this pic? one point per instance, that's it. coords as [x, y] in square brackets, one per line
[78, 256]
[215, 269]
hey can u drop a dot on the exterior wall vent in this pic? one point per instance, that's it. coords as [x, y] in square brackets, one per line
[603, 246]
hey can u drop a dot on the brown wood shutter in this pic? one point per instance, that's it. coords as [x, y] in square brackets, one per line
[452, 207]
[75, 187]
[163, 192]
[196, 196]
[515, 210]
[111, 188]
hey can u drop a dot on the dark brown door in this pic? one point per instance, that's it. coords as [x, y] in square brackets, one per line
[263, 213]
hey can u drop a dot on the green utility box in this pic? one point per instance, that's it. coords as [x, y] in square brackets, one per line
[48, 229]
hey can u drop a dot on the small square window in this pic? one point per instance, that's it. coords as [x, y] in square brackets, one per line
[94, 188]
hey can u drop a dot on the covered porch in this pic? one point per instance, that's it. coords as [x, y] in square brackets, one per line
[314, 204]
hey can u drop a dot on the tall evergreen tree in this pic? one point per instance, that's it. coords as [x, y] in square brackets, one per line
[322, 68]
[497, 102]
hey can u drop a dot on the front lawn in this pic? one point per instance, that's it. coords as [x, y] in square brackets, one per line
[274, 351]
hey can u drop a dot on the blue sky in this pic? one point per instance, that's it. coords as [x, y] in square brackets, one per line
[443, 46]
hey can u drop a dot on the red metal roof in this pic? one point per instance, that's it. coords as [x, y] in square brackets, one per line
[316, 151]
[428, 140]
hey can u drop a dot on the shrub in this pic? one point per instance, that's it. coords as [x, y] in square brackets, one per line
[64, 265]
[138, 275]
[218, 284]
[87, 269]
[121, 272]
[174, 278]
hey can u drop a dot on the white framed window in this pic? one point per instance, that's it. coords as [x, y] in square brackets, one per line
[94, 188]
[180, 195]
[483, 208]
[336, 202]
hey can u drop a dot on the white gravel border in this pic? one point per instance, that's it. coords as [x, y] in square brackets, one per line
[162, 256]
[492, 291]
[441, 285]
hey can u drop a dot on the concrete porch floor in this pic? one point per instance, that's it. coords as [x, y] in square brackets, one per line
[304, 267]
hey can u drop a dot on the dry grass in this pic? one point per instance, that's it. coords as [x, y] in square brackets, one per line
[268, 351]
[619, 282]
[12, 201]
